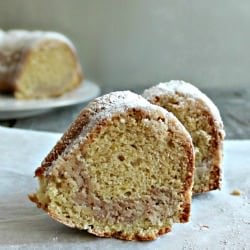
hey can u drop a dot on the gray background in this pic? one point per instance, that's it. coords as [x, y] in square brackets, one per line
[126, 43]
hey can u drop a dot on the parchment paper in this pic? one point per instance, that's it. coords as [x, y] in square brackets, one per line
[219, 220]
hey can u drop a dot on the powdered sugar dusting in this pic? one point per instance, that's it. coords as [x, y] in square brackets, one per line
[108, 105]
[177, 86]
[15, 40]
[115, 103]
[105, 108]
[118, 102]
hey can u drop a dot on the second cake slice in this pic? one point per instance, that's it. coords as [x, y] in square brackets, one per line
[202, 119]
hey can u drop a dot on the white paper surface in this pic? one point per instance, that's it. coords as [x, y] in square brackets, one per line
[219, 220]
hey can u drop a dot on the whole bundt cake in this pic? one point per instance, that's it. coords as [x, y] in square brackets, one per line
[36, 64]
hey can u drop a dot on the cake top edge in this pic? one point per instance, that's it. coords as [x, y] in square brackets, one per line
[172, 87]
[120, 101]
[12, 40]
[116, 103]
[98, 110]
[179, 86]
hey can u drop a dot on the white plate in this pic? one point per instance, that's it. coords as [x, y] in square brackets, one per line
[12, 108]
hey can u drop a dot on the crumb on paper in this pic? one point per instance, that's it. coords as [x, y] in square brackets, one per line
[203, 227]
[236, 192]
[224, 242]
[247, 222]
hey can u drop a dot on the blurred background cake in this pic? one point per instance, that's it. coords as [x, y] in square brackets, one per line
[144, 43]
[37, 64]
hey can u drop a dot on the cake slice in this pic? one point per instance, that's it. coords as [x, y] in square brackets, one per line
[36, 64]
[123, 169]
[202, 119]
